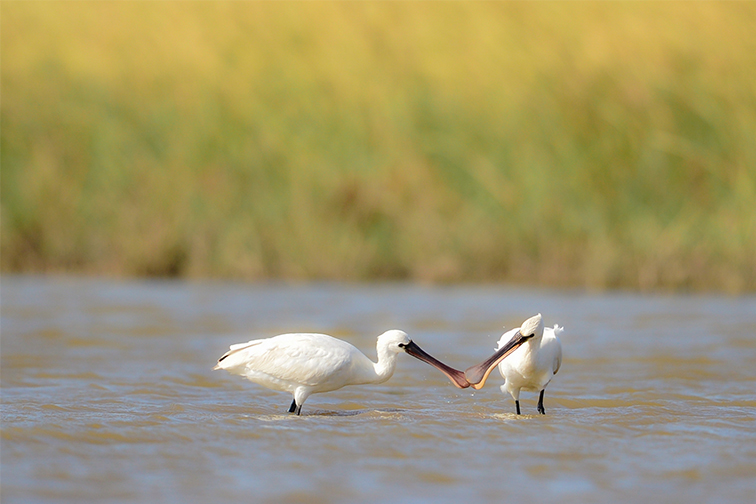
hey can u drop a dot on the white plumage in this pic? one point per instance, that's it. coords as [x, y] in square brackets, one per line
[532, 366]
[304, 363]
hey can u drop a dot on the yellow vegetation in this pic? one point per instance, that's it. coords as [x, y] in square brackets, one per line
[600, 144]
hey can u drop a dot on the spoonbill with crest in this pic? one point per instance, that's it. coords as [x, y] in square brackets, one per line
[477, 375]
[304, 363]
[534, 363]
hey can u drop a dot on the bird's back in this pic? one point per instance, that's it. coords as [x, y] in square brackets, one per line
[288, 360]
[551, 347]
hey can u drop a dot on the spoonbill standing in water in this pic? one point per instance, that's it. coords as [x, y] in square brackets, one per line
[304, 364]
[532, 366]
[477, 375]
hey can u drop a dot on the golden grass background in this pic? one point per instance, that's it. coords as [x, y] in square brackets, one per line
[600, 145]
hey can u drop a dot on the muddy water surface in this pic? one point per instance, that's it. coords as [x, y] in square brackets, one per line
[108, 396]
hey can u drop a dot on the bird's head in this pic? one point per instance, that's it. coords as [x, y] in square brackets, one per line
[533, 327]
[394, 340]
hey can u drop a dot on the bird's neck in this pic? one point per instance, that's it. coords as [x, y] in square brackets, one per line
[385, 366]
[532, 346]
[534, 343]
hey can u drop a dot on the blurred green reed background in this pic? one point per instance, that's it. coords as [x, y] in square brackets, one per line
[599, 145]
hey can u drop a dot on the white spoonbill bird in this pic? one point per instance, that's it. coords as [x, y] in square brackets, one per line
[477, 375]
[532, 366]
[305, 364]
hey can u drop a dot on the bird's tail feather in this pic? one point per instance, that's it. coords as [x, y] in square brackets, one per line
[234, 356]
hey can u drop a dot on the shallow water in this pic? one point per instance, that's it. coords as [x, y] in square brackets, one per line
[108, 395]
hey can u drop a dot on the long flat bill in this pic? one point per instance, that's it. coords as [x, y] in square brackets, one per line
[456, 376]
[477, 375]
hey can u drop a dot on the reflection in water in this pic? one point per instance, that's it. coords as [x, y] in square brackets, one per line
[108, 394]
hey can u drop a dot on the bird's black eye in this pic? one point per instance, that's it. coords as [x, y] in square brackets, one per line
[402, 345]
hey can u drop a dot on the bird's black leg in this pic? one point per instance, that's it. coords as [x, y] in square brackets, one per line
[540, 403]
[293, 406]
[299, 410]
[517, 404]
